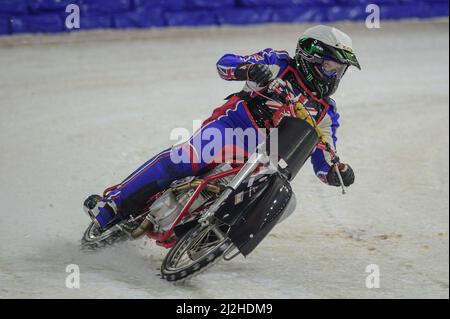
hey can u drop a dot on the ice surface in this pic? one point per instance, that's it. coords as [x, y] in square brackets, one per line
[80, 112]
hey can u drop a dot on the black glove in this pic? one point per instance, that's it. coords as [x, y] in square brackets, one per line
[259, 73]
[347, 173]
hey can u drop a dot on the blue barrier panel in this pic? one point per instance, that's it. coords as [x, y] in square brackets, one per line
[140, 18]
[283, 4]
[168, 5]
[94, 21]
[366, 2]
[244, 16]
[13, 7]
[210, 4]
[37, 6]
[104, 6]
[352, 13]
[401, 11]
[439, 10]
[42, 23]
[301, 14]
[191, 18]
[40, 15]
[4, 25]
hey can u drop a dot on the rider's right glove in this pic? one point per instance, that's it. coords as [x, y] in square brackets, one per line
[347, 173]
[258, 73]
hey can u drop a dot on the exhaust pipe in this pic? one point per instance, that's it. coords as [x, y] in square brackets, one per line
[142, 229]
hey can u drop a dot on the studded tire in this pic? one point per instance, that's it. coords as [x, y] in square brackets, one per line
[199, 248]
[93, 239]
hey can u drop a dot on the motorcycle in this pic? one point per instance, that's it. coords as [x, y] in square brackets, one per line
[225, 212]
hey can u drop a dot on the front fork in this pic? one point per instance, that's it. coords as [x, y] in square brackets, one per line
[255, 160]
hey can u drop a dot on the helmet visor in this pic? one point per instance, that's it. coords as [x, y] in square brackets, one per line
[330, 68]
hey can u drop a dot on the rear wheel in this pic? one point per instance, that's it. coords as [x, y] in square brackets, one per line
[94, 238]
[194, 252]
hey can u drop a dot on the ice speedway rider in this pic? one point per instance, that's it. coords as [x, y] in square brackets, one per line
[322, 57]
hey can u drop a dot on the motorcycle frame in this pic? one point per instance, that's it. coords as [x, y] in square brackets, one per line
[163, 238]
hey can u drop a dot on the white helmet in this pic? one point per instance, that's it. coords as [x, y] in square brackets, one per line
[323, 56]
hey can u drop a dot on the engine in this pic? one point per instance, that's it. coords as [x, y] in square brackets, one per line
[166, 208]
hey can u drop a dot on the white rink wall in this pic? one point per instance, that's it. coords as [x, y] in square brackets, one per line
[79, 113]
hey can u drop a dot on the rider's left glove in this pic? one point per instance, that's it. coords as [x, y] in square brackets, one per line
[347, 173]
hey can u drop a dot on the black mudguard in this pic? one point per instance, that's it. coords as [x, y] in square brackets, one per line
[241, 200]
[296, 141]
[255, 223]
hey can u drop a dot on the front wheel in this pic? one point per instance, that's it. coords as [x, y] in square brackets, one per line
[194, 252]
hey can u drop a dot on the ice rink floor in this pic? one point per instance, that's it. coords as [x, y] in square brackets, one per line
[79, 113]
